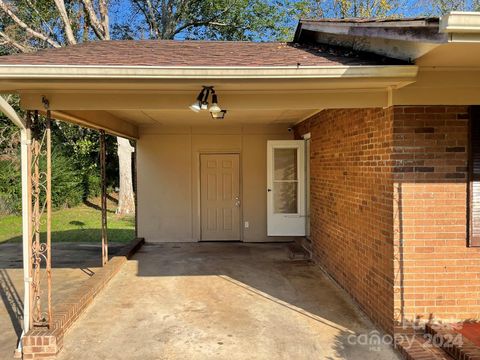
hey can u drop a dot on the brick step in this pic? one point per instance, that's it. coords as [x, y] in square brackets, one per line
[420, 348]
[455, 344]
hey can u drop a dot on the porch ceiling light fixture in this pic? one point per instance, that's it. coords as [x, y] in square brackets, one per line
[197, 105]
[201, 103]
[219, 115]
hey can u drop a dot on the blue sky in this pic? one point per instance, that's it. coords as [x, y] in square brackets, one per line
[122, 13]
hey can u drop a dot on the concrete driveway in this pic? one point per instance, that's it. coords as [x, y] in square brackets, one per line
[220, 301]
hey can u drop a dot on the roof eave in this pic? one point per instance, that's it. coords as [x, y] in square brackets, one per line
[401, 31]
[49, 72]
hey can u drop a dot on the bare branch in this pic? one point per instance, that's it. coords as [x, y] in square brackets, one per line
[210, 21]
[215, 23]
[148, 9]
[150, 14]
[93, 19]
[16, 45]
[105, 18]
[66, 22]
[24, 26]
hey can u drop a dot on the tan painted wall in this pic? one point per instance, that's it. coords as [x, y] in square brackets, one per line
[168, 178]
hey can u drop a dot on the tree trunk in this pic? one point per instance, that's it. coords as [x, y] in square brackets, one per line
[126, 200]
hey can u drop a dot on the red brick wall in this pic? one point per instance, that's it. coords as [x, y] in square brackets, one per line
[351, 204]
[388, 210]
[436, 274]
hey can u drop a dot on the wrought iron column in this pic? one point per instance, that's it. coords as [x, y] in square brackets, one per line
[49, 217]
[103, 175]
[135, 186]
[40, 199]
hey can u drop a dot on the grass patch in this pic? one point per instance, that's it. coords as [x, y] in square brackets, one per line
[77, 224]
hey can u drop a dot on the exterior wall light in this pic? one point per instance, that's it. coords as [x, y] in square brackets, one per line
[202, 103]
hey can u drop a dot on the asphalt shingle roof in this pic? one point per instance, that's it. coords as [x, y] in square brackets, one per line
[192, 53]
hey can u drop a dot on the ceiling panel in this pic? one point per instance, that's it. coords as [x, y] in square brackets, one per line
[190, 118]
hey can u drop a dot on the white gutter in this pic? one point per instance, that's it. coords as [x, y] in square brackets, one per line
[33, 72]
[461, 26]
[25, 140]
[460, 22]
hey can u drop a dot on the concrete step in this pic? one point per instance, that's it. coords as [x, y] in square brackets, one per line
[297, 252]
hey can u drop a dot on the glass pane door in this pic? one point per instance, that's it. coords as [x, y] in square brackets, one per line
[285, 181]
[286, 188]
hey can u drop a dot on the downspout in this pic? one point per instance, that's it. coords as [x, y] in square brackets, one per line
[7, 109]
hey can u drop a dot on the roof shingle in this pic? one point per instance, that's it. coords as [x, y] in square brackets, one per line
[192, 53]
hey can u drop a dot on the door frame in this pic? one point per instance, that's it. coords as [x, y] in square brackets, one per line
[308, 199]
[199, 187]
[271, 144]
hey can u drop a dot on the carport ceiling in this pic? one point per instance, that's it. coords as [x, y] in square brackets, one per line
[185, 117]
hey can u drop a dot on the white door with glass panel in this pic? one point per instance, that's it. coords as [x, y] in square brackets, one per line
[286, 188]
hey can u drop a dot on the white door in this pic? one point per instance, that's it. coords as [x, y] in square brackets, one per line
[220, 196]
[286, 188]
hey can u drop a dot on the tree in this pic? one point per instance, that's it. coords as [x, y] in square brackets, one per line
[31, 24]
[27, 25]
[361, 8]
[220, 19]
[444, 6]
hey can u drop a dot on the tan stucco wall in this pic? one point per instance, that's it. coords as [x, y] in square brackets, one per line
[168, 178]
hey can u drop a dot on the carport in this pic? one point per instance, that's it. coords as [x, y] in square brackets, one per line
[234, 169]
[200, 177]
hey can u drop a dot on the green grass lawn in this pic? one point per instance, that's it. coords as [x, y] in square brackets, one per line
[81, 223]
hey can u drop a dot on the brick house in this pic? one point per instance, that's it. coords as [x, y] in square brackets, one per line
[360, 135]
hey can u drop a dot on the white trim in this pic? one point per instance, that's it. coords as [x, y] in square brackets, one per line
[286, 224]
[25, 139]
[169, 72]
[460, 22]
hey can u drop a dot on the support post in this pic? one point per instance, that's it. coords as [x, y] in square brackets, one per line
[28, 207]
[103, 175]
[25, 140]
[35, 226]
[49, 218]
[135, 186]
[39, 180]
